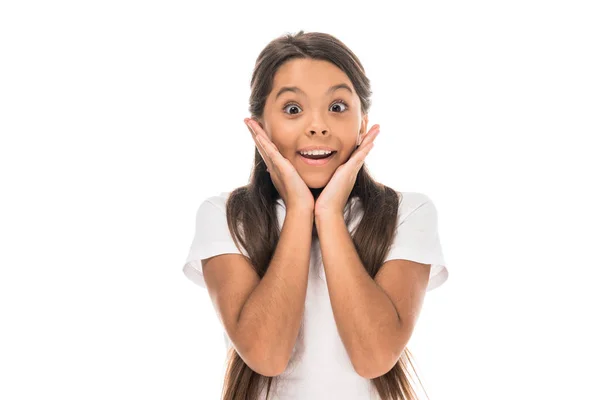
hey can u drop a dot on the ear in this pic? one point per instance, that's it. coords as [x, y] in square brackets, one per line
[261, 123]
[363, 128]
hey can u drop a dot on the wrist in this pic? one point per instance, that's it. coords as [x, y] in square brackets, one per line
[327, 217]
[301, 212]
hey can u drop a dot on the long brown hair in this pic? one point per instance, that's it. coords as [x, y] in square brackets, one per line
[252, 207]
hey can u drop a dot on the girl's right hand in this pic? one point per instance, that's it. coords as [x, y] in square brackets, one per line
[291, 187]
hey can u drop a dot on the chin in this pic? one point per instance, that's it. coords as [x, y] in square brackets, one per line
[316, 182]
[316, 187]
[318, 178]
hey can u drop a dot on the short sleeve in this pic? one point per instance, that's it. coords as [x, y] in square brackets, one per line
[417, 238]
[211, 238]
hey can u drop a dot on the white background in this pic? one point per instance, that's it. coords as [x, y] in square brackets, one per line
[118, 118]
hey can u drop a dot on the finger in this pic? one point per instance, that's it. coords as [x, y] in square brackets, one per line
[369, 140]
[273, 154]
[257, 129]
[268, 153]
[361, 153]
[371, 135]
[256, 142]
[257, 132]
[275, 157]
[269, 147]
[261, 142]
[361, 156]
[260, 147]
[267, 158]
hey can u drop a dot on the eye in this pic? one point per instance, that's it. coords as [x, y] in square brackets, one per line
[342, 102]
[294, 105]
[290, 105]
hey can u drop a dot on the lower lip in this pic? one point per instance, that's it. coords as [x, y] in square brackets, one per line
[322, 161]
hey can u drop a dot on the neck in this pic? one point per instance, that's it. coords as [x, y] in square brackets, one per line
[316, 192]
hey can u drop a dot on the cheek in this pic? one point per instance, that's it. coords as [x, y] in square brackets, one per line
[283, 143]
[348, 151]
[284, 149]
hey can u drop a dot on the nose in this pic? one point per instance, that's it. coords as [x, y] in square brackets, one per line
[318, 124]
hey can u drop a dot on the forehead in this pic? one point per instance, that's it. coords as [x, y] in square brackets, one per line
[310, 75]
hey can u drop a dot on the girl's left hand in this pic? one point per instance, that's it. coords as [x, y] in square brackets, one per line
[334, 196]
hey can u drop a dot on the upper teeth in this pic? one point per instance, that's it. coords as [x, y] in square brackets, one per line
[316, 152]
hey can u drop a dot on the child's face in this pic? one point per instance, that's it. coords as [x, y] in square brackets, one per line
[313, 118]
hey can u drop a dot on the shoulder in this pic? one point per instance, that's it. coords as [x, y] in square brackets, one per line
[212, 210]
[414, 202]
[218, 201]
[408, 203]
[418, 213]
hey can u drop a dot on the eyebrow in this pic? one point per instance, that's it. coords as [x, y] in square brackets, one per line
[295, 89]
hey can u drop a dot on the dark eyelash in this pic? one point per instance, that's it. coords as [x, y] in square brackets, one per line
[335, 101]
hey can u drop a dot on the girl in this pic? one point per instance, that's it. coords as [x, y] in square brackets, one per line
[317, 272]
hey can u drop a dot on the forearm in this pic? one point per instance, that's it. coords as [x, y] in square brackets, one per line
[274, 310]
[365, 316]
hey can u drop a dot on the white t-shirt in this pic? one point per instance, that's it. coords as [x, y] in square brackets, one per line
[320, 367]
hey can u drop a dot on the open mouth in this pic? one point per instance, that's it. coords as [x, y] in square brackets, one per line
[317, 159]
[317, 156]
